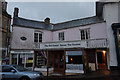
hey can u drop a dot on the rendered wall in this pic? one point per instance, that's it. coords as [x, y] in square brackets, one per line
[97, 31]
[17, 43]
[111, 16]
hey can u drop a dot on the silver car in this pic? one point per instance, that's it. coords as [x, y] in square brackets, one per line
[14, 72]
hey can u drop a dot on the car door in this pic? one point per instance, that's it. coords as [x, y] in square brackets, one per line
[0, 72]
[7, 74]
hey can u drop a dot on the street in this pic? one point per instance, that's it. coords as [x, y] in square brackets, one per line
[103, 78]
[97, 75]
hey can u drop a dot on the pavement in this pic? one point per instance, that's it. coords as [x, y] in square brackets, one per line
[96, 75]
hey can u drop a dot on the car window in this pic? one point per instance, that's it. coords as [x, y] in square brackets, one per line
[21, 68]
[7, 69]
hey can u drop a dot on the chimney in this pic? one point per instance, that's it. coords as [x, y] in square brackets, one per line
[4, 6]
[16, 11]
[47, 20]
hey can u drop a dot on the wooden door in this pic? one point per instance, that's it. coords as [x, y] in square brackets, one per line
[59, 62]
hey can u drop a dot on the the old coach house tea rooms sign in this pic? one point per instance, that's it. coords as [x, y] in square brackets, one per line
[62, 45]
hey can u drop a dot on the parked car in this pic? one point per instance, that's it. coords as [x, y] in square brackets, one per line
[14, 72]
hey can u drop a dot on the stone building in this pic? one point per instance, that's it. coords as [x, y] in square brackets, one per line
[5, 21]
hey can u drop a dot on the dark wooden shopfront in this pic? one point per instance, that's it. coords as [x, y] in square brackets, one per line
[58, 61]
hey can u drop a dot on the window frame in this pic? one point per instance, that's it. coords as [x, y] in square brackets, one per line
[61, 36]
[38, 38]
[5, 69]
[86, 33]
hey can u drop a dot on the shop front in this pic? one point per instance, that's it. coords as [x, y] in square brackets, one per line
[22, 57]
[74, 61]
[64, 57]
[97, 59]
[57, 61]
[62, 61]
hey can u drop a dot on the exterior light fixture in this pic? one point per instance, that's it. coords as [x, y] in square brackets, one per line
[104, 52]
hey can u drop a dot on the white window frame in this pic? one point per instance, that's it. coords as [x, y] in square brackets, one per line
[61, 36]
[88, 33]
[38, 38]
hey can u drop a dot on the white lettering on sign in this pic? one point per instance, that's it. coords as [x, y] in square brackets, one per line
[58, 45]
[62, 45]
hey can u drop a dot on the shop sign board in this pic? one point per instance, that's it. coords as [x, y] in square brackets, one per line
[59, 45]
[22, 51]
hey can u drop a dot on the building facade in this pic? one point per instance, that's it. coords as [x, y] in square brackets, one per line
[69, 47]
[111, 15]
[4, 32]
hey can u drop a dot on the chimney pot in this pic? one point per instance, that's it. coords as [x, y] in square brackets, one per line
[47, 20]
[4, 6]
[16, 11]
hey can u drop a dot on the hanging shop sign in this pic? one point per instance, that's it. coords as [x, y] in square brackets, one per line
[58, 45]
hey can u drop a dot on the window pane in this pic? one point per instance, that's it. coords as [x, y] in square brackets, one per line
[72, 59]
[82, 35]
[7, 69]
[61, 60]
[40, 37]
[86, 34]
[91, 58]
[61, 36]
[35, 37]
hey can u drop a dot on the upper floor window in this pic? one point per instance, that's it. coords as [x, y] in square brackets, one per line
[37, 37]
[85, 34]
[61, 36]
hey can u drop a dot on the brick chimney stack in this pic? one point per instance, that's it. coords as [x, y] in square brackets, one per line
[4, 6]
[47, 20]
[16, 11]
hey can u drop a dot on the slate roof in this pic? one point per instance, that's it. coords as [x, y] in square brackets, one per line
[78, 22]
[69, 24]
[31, 23]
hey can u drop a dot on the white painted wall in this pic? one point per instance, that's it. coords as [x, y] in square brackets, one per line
[110, 12]
[17, 43]
[119, 12]
[97, 31]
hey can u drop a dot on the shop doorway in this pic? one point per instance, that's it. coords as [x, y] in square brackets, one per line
[91, 59]
[102, 60]
[58, 62]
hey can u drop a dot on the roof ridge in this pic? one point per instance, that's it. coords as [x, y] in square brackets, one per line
[29, 19]
[75, 20]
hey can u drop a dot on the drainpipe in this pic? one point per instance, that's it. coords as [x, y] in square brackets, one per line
[47, 63]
